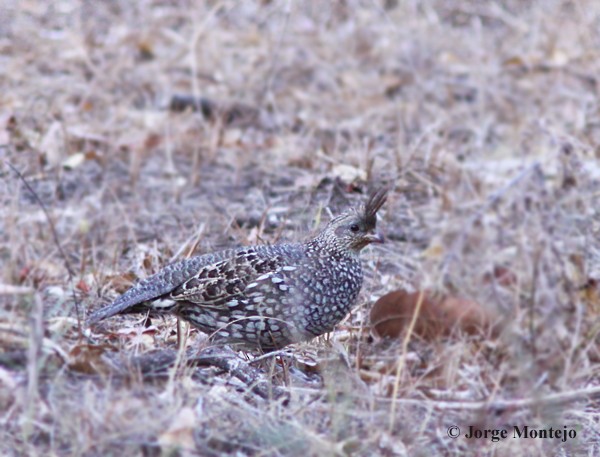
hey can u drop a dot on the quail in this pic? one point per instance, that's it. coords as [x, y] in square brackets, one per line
[264, 297]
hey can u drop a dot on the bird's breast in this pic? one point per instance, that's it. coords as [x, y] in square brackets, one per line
[328, 293]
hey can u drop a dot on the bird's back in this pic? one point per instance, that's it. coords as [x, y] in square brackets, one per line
[176, 274]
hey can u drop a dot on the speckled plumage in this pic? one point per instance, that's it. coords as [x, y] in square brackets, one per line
[264, 296]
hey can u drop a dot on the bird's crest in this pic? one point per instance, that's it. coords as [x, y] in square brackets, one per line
[374, 204]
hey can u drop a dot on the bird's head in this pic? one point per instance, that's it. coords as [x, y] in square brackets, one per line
[357, 227]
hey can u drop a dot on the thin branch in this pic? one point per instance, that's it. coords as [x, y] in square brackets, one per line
[163, 362]
[499, 406]
[38, 200]
[226, 359]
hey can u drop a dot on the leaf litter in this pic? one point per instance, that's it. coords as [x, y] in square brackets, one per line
[490, 146]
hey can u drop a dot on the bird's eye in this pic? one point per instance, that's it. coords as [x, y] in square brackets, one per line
[354, 227]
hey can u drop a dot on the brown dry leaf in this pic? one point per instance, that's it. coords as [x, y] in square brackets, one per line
[590, 293]
[145, 49]
[180, 434]
[502, 276]
[514, 61]
[83, 286]
[439, 315]
[152, 141]
[87, 359]
[23, 273]
[5, 121]
[307, 361]
[93, 155]
[121, 282]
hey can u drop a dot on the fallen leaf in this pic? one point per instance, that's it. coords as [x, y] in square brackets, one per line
[87, 359]
[121, 282]
[5, 121]
[152, 141]
[83, 287]
[590, 293]
[439, 315]
[501, 276]
[514, 61]
[23, 273]
[307, 362]
[145, 49]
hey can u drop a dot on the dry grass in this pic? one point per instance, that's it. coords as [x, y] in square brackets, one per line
[484, 117]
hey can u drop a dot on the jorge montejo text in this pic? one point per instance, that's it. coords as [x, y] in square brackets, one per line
[524, 431]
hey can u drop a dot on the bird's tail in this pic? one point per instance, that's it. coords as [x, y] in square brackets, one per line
[119, 306]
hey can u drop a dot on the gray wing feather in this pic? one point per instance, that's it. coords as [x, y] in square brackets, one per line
[157, 285]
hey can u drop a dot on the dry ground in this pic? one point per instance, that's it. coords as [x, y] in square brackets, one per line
[484, 118]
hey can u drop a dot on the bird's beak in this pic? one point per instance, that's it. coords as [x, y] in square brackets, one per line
[375, 237]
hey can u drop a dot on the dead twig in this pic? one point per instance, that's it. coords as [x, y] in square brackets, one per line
[38, 200]
[499, 406]
[226, 359]
[163, 363]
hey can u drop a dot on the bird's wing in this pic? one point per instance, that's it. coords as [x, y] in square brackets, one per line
[225, 283]
[157, 285]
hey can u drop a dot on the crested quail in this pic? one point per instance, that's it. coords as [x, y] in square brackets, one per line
[264, 296]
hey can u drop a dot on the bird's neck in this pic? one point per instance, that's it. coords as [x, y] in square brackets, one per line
[326, 246]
